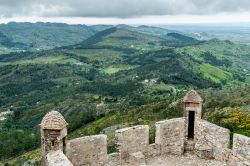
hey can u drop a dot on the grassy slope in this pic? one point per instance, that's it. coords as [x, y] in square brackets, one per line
[215, 74]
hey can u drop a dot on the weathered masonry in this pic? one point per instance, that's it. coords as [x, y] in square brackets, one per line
[173, 136]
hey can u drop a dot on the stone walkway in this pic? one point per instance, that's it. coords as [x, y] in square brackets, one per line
[185, 160]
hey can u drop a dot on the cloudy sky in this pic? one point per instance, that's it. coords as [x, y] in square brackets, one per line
[125, 11]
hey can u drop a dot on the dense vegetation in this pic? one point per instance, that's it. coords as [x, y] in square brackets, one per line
[118, 77]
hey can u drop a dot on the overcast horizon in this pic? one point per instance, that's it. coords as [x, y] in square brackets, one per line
[137, 12]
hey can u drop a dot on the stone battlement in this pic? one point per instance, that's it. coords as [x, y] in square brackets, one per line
[173, 137]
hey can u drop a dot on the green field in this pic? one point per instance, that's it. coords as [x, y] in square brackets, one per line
[215, 74]
[116, 68]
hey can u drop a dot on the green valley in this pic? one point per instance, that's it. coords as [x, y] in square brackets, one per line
[109, 77]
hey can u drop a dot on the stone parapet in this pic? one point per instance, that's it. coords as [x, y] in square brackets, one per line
[170, 136]
[131, 140]
[210, 137]
[89, 150]
[134, 148]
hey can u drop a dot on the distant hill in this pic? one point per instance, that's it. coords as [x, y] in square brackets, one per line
[150, 30]
[122, 38]
[37, 36]
[100, 27]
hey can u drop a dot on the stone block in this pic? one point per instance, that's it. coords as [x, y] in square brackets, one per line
[210, 137]
[170, 136]
[89, 151]
[131, 140]
[241, 145]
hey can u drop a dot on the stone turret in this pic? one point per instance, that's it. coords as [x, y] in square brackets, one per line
[53, 133]
[192, 104]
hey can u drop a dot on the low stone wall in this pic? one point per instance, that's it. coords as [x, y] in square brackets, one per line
[170, 136]
[241, 145]
[131, 140]
[89, 150]
[57, 158]
[210, 137]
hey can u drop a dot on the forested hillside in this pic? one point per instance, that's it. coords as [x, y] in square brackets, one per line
[39, 36]
[117, 77]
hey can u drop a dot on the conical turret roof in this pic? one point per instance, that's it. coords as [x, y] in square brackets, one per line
[192, 97]
[53, 120]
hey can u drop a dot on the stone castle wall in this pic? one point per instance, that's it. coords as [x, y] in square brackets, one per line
[173, 136]
[133, 145]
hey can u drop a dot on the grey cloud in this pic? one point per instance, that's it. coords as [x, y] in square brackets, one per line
[118, 8]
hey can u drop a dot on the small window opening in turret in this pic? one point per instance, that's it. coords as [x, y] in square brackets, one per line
[53, 143]
[191, 119]
[64, 145]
